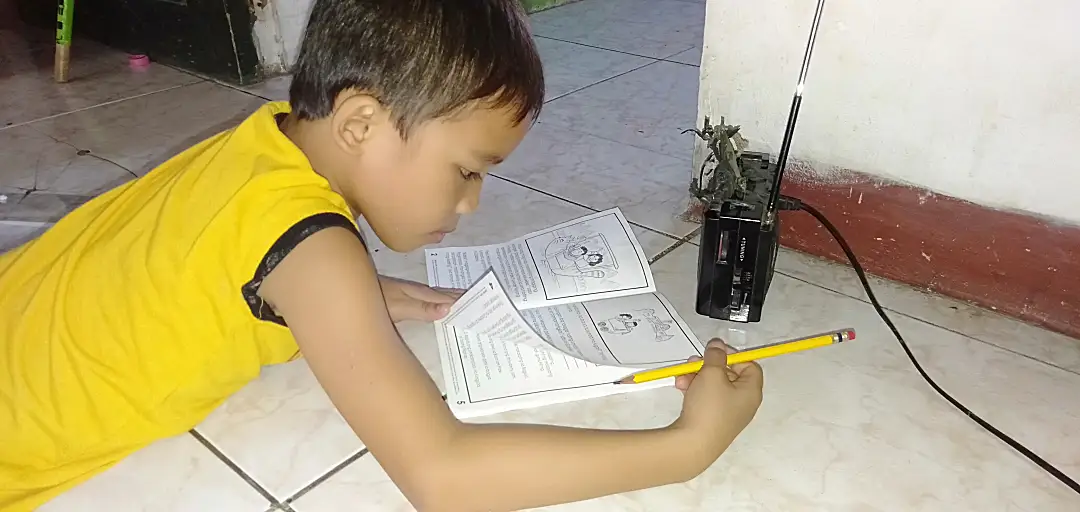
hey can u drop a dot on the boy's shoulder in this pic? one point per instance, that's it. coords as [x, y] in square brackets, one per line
[251, 181]
[259, 138]
[268, 168]
[251, 158]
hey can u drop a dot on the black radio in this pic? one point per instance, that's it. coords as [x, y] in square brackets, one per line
[738, 251]
[738, 194]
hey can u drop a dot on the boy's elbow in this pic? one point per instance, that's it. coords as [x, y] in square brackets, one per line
[433, 490]
[448, 477]
[438, 482]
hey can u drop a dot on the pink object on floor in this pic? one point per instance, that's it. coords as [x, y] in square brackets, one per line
[138, 61]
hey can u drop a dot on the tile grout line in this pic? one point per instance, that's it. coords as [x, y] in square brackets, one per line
[237, 88]
[678, 243]
[236, 469]
[928, 322]
[932, 324]
[601, 137]
[104, 104]
[325, 476]
[680, 63]
[582, 88]
[587, 45]
[587, 207]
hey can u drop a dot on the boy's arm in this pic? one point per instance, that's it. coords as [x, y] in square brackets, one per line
[327, 291]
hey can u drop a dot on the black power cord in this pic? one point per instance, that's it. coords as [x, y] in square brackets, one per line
[791, 203]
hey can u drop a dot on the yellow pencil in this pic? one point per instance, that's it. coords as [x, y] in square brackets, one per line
[772, 350]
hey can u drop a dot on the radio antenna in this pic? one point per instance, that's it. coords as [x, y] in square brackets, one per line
[796, 102]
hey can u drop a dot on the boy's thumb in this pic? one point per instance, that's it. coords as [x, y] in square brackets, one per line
[433, 311]
[716, 353]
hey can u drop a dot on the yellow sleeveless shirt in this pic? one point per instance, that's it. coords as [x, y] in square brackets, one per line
[135, 315]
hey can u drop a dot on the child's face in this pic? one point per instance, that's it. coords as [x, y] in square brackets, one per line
[412, 192]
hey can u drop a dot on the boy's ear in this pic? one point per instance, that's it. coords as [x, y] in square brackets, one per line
[355, 119]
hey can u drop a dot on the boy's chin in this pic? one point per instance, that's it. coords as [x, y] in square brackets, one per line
[411, 243]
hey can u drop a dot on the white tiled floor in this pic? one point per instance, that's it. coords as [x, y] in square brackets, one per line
[851, 429]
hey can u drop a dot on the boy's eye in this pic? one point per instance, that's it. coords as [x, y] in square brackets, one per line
[469, 175]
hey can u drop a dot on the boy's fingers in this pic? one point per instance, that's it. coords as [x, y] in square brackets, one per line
[434, 311]
[410, 308]
[427, 293]
[717, 342]
[716, 354]
[682, 382]
[455, 293]
[749, 375]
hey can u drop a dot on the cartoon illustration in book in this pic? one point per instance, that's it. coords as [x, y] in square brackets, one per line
[626, 323]
[580, 257]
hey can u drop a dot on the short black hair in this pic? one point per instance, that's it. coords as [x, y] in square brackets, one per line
[423, 59]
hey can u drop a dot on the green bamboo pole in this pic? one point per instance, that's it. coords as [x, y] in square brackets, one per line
[65, 17]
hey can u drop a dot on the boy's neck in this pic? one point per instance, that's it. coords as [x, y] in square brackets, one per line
[305, 135]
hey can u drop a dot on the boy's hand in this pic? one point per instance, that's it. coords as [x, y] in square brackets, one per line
[409, 300]
[720, 401]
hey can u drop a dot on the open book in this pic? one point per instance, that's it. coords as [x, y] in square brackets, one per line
[554, 316]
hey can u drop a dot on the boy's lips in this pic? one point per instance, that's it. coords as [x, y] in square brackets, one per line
[440, 234]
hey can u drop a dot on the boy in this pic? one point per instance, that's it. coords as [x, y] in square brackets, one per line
[143, 310]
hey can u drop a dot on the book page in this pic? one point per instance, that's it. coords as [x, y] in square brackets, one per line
[590, 258]
[485, 309]
[638, 331]
[483, 376]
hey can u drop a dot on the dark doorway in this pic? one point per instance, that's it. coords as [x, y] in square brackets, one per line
[210, 37]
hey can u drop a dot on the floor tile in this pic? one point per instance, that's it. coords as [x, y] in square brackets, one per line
[15, 233]
[647, 108]
[98, 75]
[650, 188]
[141, 133]
[850, 427]
[272, 89]
[982, 324]
[569, 67]
[282, 429]
[38, 207]
[66, 159]
[691, 56]
[177, 474]
[35, 161]
[362, 485]
[651, 28]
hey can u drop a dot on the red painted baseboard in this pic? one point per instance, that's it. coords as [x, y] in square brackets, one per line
[1021, 265]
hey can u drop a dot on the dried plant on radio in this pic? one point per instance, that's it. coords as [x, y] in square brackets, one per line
[720, 176]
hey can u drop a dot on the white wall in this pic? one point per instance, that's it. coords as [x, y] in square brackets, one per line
[278, 27]
[977, 99]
